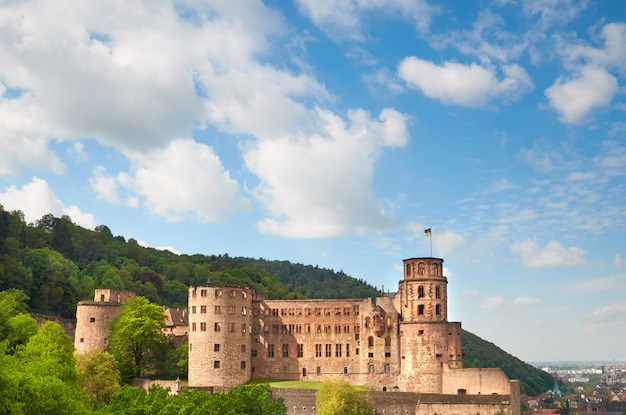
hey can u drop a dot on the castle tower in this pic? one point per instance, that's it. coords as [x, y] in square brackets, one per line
[219, 336]
[93, 319]
[428, 342]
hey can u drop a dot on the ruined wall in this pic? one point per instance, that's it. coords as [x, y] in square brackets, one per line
[476, 381]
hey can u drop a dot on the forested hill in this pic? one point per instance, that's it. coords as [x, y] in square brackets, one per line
[58, 263]
[481, 353]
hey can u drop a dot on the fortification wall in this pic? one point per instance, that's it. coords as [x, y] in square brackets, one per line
[476, 381]
[67, 324]
[302, 402]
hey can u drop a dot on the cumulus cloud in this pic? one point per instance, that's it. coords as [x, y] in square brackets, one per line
[36, 199]
[552, 255]
[469, 85]
[185, 180]
[342, 20]
[320, 185]
[575, 98]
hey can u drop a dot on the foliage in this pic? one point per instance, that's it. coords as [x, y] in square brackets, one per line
[98, 375]
[337, 397]
[478, 353]
[137, 335]
[249, 400]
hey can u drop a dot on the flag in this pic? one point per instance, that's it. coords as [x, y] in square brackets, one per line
[427, 232]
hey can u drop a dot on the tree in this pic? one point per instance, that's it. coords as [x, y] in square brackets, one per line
[98, 375]
[337, 397]
[136, 335]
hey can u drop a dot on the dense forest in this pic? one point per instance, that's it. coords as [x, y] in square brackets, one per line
[57, 263]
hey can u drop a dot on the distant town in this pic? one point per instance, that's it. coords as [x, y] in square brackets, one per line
[595, 387]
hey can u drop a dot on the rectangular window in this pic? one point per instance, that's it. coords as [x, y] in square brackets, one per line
[254, 353]
[387, 368]
[233, 293]
[347, 349]
[337, 329]
[274, 311]
[300, 350]
[285, 350]
[371, 368]
[231, 309]
[338, 350]
[202, 309]
[318, 350]
[218, 293]
[370, 355]
[243, 364]
[329, 350]
[216, 364]
[193, 326]
[243, 328]
[243, 348]
[387, 354]
[217, 326]
[202, 293]
[318, 370]
[202, 326]
[270, 350]
[231, 327]
[216, 347]
[218, 309]
[193, 309]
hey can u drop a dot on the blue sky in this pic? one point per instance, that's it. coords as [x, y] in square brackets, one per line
[333, 133]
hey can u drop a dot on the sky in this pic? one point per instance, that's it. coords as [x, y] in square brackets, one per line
[333, 133]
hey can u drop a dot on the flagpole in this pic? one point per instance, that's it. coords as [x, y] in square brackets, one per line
[428, 233]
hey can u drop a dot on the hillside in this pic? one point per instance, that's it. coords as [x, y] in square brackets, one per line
[58, 263]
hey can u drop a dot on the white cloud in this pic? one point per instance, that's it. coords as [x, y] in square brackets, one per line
[470, 85]
[448, 242]
[614, 283]
[575, 98]
[342, 20]
[492, 302]
[320, 185]
[618, 262]
[36, 199]
[526, 301]
[552, 255]
[469, 293]
[609, 310]
[185, 180]
[552, 12]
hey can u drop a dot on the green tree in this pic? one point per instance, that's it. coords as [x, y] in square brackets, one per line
[136, 335]
[98, 375]
[337, 397]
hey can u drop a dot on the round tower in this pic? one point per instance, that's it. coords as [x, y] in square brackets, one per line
[219, 336]
[426, 337]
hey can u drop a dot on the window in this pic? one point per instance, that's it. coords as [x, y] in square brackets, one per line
[345, 370]
[420, 291]
[387, 354]
[300, 350]
[326, 328]
[338, 350]
[318, 350]
[203, 326]
[217, 326]
[357, 351]
[337, 329]
[270, 350]
[216, 364]
[329, 350]
[82, 340]
[193, 326]
[243, 364]
[346, 328]
[243, 348]
[370, 341]
[318, 370]
[283, 312]
[438, 309]
[193, 309]
[370, 355]
[274, 311]
[420, 309]
[387, 368]
[233, 293]
[202, 309]
[357, 336]
[92, 319]
[462, 392]
[231, 309]
[244, 294]
[218, 293]
[216, 347]
[285, 350]
[420, 332]
[244, 311]
[437, 292]
[347, 349]
[387, 341]
[202, 293]
[218, 309]
[243, 329]
[274, 328]
[371, 368]
[254, 354]
[231, 327]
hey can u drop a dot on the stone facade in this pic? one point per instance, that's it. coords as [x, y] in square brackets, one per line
[400, 342]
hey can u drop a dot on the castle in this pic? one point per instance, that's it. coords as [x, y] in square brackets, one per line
[397, 342]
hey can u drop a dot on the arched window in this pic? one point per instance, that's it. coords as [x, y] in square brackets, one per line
[421, 270]
[370, 341]
[435, 269]
[420, 291]
[387, 341]
[408, 269]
